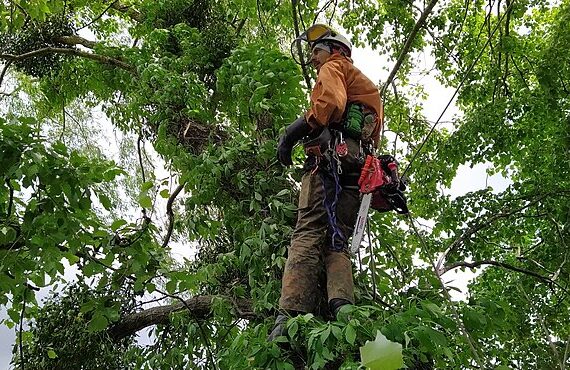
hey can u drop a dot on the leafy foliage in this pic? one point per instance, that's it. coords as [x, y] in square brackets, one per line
[210, 85]
[69, 327]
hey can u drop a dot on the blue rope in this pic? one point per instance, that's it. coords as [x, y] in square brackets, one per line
[338, 241]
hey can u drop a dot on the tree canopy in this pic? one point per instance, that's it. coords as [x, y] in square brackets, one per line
[210, 84]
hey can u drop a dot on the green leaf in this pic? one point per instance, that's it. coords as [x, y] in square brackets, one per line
[433, 308]
[116, 225]
[146, 186]
[97, 323]
[381, 354]
[105, 201]
[145, 201]
[171, 286]
[51, 354]
[164, 193]
[293, 329]
[350, 334]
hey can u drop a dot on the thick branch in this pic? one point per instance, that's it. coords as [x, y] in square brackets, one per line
[99, 58]
[407, 46]
[72, 40]
[199, 307]
[128, 10]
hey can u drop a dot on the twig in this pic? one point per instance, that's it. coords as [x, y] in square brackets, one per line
[139, 151]
[170, 213]
[69, 51]
[456, 91]
[333, 11]
[206, 342]
[322, 9]
[543, 327]
[63, 119]
[98, 17]
[458, 319]
[299, 51]
[523, 79]
[228, 330]
[566, 352]
[259, 17]
[504, 265]
[240, 26]
[6, 66]
[419, 24]
[482, 225]
[20, 341]
[11, 200]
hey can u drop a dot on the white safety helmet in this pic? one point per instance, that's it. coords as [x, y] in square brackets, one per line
[320, 34]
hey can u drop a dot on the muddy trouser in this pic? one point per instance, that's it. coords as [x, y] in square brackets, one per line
[310, 248]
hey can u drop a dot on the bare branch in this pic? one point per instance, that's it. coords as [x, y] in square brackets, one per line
[199, 307]
[128, 10]
[75, 52]
[170, 213]
[544, 329]
[407, 46]
[75, 40]
[507, 266]
[6, 66]
[482, 225]
[98, 17]
[296, 24]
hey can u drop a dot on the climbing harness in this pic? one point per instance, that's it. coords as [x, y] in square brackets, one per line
[324, 159]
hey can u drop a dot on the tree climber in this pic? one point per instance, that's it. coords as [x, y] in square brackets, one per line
[340, 128]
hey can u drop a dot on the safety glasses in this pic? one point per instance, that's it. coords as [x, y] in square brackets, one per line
[301, 46]
[315, 33]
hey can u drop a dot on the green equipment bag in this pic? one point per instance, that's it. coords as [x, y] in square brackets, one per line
[355, 120]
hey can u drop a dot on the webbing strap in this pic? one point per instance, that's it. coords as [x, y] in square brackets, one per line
[338, 240]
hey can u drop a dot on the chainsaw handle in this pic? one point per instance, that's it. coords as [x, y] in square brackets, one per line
[371, 176]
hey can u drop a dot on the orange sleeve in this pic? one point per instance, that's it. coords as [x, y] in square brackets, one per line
[329, 97]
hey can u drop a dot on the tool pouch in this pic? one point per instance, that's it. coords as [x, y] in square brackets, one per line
[359, 122]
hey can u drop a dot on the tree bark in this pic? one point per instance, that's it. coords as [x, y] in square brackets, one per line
[99, 58]
[199, 307]
[73, 40]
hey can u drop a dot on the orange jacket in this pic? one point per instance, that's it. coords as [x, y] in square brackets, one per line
[339, 82]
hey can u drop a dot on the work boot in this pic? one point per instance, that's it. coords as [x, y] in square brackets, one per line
[336, 304]
[279, 328]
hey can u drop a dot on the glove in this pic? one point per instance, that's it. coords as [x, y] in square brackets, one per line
[293, 133]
